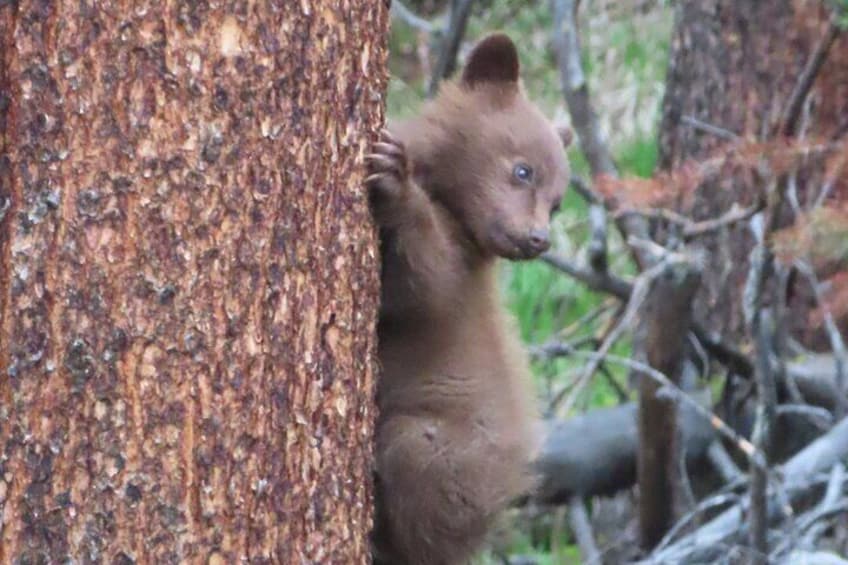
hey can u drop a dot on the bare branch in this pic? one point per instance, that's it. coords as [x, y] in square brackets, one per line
[460, 11]
[637, 297]
[582, 530]
[608, 283]
[666, 318]
[840, 354]
[789, 120]
[602, 282]
[690, 228]
[582, 188]
[717, 131]
[597, 247]
[705, 505]
[401, 12]
[745, 446]
[734, 215]
[820, 417]
[799, 476]
[583, 117]
[576, 90]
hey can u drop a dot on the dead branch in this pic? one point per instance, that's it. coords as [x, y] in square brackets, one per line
[575, 88]
[634, 304]
[812, 525]
[837, 344]
[717, 131]
[582, 188]
[815, 558]
[599, 281]
[692, 229]
[609, 283]
[401, 12]
[705, 505]
[792, 112]
[799, 476]
[460, 11]
[719, 425]
[582, 530]
[597, 248]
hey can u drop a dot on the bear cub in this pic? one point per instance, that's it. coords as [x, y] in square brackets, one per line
[475, 177]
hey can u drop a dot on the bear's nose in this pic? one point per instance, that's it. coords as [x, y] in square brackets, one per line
[539, 240]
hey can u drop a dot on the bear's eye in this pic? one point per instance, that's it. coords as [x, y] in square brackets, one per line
[523, 172]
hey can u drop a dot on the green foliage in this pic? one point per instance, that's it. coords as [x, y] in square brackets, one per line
[840, 8]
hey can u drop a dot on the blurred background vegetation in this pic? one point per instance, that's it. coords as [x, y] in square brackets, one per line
[625, 55]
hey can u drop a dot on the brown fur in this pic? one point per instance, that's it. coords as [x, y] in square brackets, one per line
[454, 438]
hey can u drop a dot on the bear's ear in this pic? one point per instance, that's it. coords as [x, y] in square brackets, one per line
[565, 134]
[493, 60]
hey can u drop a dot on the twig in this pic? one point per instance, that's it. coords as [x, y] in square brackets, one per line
[582, 188]
[820, 417]
[582, 530]
[830, 181]
[732, 216]
[800, 474]
[554, 348]
[597, 224]
[619, 390]
[840, 354]
[789, 120]
[637, 298]
[745, 446]
[401, 12]
[603, 282]
[725, 353]
[460, 11]
[692, 229]
[830, 500]
[703, 506]
[717, 131]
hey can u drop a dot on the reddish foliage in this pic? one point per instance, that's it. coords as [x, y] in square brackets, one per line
[763, 160]
[834, 301]
[820, 235]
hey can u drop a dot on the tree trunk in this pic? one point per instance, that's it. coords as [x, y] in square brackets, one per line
[188, 280]
[666, 318]
[735, 65]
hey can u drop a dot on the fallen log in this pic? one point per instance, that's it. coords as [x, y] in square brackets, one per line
[595, 453]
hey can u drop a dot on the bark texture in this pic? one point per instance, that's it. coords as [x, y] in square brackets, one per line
[188, 280]
[735, 65]
[667, 317]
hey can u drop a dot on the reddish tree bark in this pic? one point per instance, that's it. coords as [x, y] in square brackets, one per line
[188, 280]
[735, 65]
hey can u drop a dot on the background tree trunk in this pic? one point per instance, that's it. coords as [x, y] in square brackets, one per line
[189, 280]
[734, 65]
